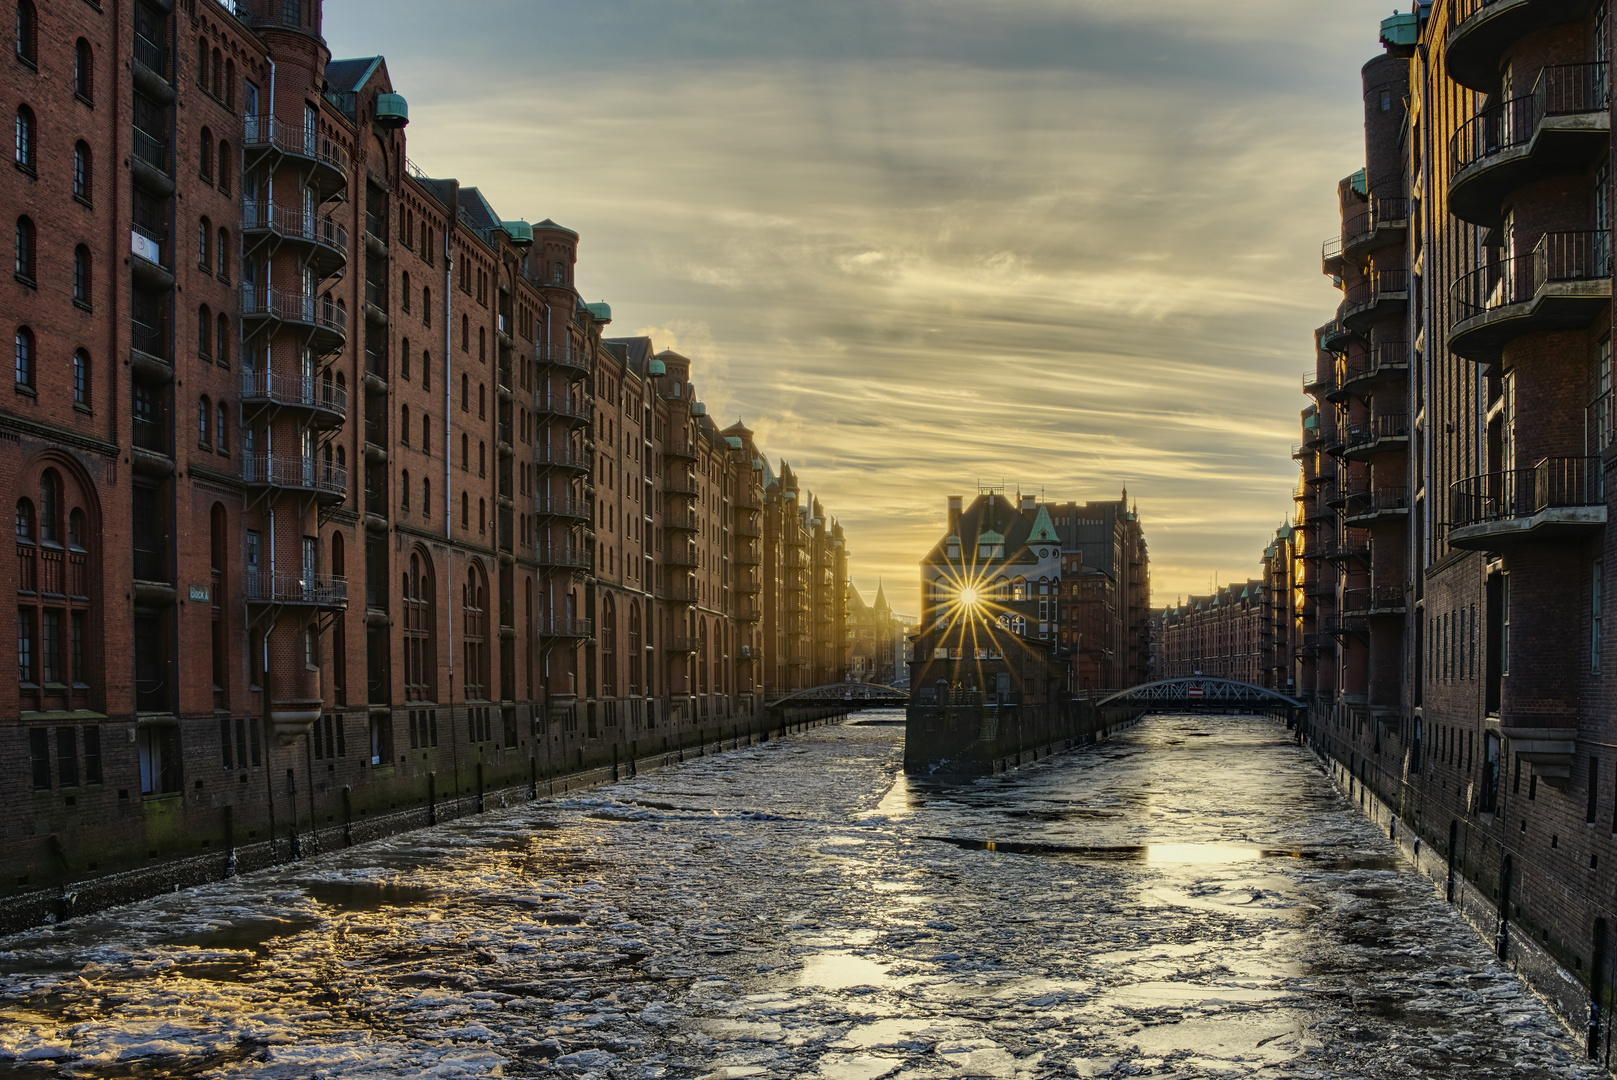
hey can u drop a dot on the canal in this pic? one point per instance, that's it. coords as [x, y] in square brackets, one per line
[1191, 898]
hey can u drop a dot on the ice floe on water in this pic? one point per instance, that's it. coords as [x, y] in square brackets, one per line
[1191, 899]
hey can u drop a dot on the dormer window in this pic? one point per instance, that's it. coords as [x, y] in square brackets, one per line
[990, 551]
[954, 551]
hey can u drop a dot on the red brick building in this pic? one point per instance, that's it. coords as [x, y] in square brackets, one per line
[1455, 466]
[334, 501]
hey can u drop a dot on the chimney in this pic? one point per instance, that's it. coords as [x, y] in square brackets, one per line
[955, 503]
[1029, 503]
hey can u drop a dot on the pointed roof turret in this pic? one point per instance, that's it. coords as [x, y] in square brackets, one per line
[881, 597]
[1044, 530]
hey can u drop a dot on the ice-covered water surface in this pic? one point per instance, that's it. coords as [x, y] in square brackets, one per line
[1191, 899]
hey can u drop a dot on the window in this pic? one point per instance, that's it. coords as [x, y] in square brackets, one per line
[27, 36]
[1386, 101]
[464, 393]
[216, 75]
[24, 342]
[83, 70]
[222, 267]
[426, 370]
[482, 343]
[426, 497]
[25, 248]
[159, 749]
[81, 276]
[221, 343]
[25, 138]
[205, 155]
[204, 332]
[465, 514]
[406, 299]
[404, 358]
[465, 333]
[404, 424]
[224, 167]
[81, 379]
[426, 433]
[1504, 624]
[221, 434]
[465, 453]
[420, 621]
[204, 415]
[81, 171]
[404, 491]
[426, 306]
[482, 458]
[230, 84]
[204, 244]
[482, 401]
[54, 586]
[473, 604]
[482, 516]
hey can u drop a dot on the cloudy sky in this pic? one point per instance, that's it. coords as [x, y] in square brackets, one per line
[1071, 246]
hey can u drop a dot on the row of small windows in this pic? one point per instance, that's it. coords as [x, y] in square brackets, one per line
[26, 262]
[213, 77]
[206, 159]
[26, 43]
[213, 250]
[25, 367]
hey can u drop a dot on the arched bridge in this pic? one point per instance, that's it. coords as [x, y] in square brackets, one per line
[1200, 690]
[848, 694]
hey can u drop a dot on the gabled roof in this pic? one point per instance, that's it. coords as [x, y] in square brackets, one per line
[636, 351]
[990, 519]
[1044, 530]
[347, 76]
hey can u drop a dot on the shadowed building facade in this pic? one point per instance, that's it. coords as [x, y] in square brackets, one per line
[335, 506]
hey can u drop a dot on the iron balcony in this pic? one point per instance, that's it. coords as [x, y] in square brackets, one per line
[1564, 284]
[320, 317]
[1482, 30]
[1557, 498]
[328, 483]
[327, 162]
[321, 591]
[322, 240]
[323, 402]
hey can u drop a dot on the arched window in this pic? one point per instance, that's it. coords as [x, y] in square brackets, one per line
[204, 418]
[634, 650]
[405, 291]
[404, 356]
[465, 512]
[27, 37]
[609, 648]
[482, 343]
[83, 70]
[222, 256]
[426, 306]
[426, 433]
[701, 656]
[404, 424]
[217, 82]
[204, 332]
[204, 243]
[426, 497]
[465, 453]
[25, 248]
[224, 167]
[24, 345]
[420, 626]
[24, 148]
[230, 84]
[205, 155]
[482, 458]
[202, 62]
[482, 516]
[221, 433]
[221, 343]
[81, 276]
[426, 369]
[25, 522]
[482, 401]
[474, 619]
[81, 171]
[465, 334]
[404, 491]
[50, 507]
[465, 393]
[81, 379]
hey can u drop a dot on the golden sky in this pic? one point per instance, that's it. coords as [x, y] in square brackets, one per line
[921, 244]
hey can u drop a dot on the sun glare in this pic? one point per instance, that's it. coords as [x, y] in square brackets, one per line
[969, 597]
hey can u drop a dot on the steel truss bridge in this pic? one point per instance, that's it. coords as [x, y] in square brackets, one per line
[1199, 690]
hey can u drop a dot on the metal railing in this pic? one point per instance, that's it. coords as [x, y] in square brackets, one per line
[681, 557]
[1378, 501]
[151, 434]
[679, 448]
[151, 340]
[151, 54]
[323, 590]
[275, 470]
[152, 149]
[681, 485]
[1375, 214]
[268, 133]
[564, 506]
[682, 644]
[561, 457]
[376, 226]
[1382, 356]
[562, 556]
[562, 355]
[1557, 257]
[1331, 249]
[565, 626]
[1377, 284]
[1377, 428]
[564, 409]
[321, 311]
[294, 222]
[1373, 598]
[1561, 90]
[376, 294]
[284, 389]
[1518, 493]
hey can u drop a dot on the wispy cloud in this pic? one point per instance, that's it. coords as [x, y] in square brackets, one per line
[921, 244]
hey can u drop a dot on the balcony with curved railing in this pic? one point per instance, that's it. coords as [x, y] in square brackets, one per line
[324, 161]
[572, 413]
[1380, 434]
[561, 557]
[1482, 30]
[1379, 504]
[1334, 336]
[1564, 284]
[328, 483]
[681, 644]
[1381, 222]
[321, 591]
[1379, 294]
[323, 241]
[1558, 498]
[576, 363]
[565, 626]
[1561, 126]
[563, 457]
[1315, 381]
[678, 448]
[322, 318]
[1382, 362]
[1330, 256]
[683, 520]
[561, 508]
[1373, 601]
[322, 401]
